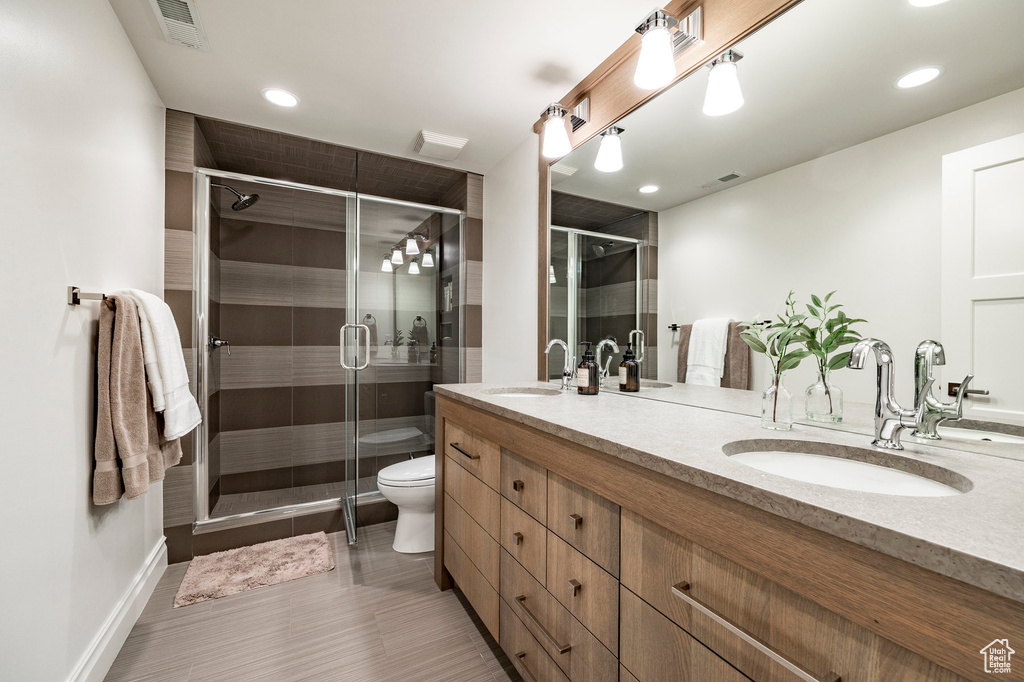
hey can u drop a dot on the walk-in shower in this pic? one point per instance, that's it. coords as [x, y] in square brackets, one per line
[333, 357]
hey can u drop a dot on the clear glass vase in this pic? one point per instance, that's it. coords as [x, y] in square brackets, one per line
[777, 406]
[824, 400]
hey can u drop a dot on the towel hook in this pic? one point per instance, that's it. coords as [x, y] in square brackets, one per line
[76, 296]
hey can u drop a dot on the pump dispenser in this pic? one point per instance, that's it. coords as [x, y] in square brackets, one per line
[629, 371]
[588, 374]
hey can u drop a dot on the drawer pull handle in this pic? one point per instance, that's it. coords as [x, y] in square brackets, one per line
[682, 590]
[575, 586]
[560, 648]
[518, 485]
[517, 538]
[457, 448]
[525, 672]
[577, 520]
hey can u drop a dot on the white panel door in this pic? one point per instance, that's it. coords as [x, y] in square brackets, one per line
[983, 275]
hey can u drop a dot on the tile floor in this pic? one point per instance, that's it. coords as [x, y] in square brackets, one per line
[376, 616]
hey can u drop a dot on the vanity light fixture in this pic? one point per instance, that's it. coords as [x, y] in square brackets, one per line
[281, 98]
[414, 268]
[918, 77]
[556, 137]
[648, 189]
[411, 247]
[396, 256]
[386, 266]
[656, 66]
[428, 259]
[723, 95]
[609, 155]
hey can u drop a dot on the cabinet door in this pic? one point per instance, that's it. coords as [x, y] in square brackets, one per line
[480, 547]
[525, 539]
[588, 591]
[476, 454]
[480, 501]
[525, 651]
[585, 520]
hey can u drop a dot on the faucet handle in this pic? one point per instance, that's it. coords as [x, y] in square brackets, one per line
[961, 393]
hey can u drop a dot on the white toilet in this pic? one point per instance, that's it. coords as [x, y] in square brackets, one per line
[410, 486]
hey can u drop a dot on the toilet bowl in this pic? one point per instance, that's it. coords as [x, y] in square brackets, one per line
[409, 485]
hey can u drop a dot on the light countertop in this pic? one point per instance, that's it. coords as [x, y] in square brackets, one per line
[976, 537]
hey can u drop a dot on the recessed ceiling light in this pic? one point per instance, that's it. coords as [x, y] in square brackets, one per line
[926, 3]
[648, 189]
[918, 77]
[281, 98]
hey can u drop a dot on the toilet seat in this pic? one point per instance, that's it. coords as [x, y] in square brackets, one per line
[413, 473]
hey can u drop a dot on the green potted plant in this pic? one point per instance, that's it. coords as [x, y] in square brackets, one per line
[399, 341]
[781, 342]
[831, 330]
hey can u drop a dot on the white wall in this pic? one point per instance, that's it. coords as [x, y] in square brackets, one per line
[865, 220]
[81, 202]
[511, 197]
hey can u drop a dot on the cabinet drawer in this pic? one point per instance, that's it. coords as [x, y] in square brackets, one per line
[589, 592]
[525, 651]
[481, 548]
[810, 636]
[524, 538]
[477, 455]
[471, 581]
[480, 502]
[654, 649]
[585, 520]
[572, 647]
[626, 676]
[525, 484]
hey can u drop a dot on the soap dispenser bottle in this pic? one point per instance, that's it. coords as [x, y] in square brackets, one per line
[588, 377]
[629, 371]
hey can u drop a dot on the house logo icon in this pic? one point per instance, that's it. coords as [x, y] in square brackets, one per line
[997, 656]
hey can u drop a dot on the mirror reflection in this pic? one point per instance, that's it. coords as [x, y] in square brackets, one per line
[886, 171]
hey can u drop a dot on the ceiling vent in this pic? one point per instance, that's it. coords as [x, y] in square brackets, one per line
[438, 146]
[563, 169]
[711, 184]
[179, 21]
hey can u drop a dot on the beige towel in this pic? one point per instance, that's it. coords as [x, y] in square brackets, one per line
[106, 478]
[736, 373]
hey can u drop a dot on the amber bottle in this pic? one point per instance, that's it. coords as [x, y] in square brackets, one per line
[588, 377]
[629, 371]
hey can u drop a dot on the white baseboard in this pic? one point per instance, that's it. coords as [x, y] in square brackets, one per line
[96, 662]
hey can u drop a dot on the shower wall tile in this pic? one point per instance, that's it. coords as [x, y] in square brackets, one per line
[215, 278]
[611, 299]
[319, 288]
[473, 239]
[213, 459]
[318, 443]
[180, 303]
[178, 495]
[473, 321]
[243, 240]
[179, 542]
[256, 481]
[213, 372]
[318, 404]
[316, 474]
[474, 365]
[256, 284]
[218, 541]
[317, 366]
[256, 325]
[254, 408]
[256, 367]
[256, 449]
[400, 399]
[474, 196]
[474, 282]
[178, 247]
[178, 200]
[213, 415]
[179, 144]
[318, 248]
[317, 326]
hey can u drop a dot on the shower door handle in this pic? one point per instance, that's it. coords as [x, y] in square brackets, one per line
[358, 328]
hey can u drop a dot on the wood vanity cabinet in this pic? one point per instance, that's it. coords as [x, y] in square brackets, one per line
[586, 567]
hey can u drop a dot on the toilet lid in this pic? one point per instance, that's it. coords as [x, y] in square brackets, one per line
[413, 472]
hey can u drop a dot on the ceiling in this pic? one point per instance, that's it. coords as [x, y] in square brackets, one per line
[370, 75]
[817, 80]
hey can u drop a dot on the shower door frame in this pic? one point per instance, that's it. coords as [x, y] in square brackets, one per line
[203, 523]
[574, 267]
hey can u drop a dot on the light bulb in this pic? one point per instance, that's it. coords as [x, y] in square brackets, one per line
[414, 268]
[919, 77]
[656, 67]
[723, 95]
[411, 247]
[648, 189]
[396, 256]
[281, 98]
[386, 265]
[428, 259]
[556, 137]
[609, 155]
[551, 275]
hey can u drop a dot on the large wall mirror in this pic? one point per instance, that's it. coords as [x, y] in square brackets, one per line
[906, 201]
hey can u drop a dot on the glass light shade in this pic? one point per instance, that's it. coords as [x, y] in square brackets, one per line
[648, 189]
[556, 138]
[609, 155]
[396, 256]
[411, 247]
[414, 267]
[386, 265]
[551, 276]
[656, 67]
[428, 259]
[723, 95]
[919, 77]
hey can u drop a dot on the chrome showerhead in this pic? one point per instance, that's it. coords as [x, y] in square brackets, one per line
[244, 200]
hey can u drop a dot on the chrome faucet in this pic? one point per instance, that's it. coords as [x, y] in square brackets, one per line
[568, 367]
[890, 418]
[638, 344]
[931, 410]
[605, 343]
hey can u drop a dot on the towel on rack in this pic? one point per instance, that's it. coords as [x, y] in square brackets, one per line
[106, 477]
[705, 361]
[736, 372]
[419, 332]
[165, 365]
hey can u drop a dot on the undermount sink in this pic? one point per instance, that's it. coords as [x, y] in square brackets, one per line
[948, 433]
[849, 468]
[522, 392]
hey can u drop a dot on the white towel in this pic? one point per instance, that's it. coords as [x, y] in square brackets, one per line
[165, 365]
[705, 360]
